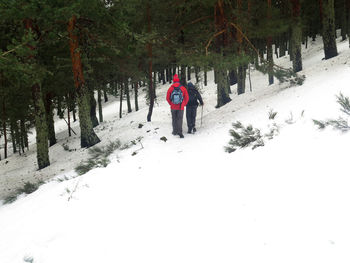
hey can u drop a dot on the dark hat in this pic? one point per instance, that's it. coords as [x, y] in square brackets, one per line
[190, 85]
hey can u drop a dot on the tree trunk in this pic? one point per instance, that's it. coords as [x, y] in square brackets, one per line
[88, 136]
[296, 36]
[4, 128]
[93, 106]
[168, 75]
[183, 75]
[23, 134]
[269, 48]
[13, 138]
[105, 94]
[205, 78]
[40, 128]
[127, 93]
[17, 136]
[40, 117]
[59, 107]
[196, 72]
[348, 19]
[49, 118]
[69, 129]
[233, 77]
[343, 21]
[151, 90]
[222, 91]
[99, 101]
[241, 76]
[121, 101]
[328, 28]
[136, 88]
[188, 73]
[163, 76]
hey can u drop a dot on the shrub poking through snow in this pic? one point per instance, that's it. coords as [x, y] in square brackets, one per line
[244, 137]
[340, 123]
[27, 188]
[272, 114]
[98, 157]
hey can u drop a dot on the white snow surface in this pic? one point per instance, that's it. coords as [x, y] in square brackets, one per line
[187, 200]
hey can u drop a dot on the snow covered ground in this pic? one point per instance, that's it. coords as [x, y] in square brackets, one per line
[187, 200]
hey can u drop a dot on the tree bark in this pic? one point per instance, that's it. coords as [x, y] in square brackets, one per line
[121, 101]
[88, 137]
[222, 90]
[127, 93]
[13, 138]
[49, 119]
[93, 106]
[4, 128]
[151, 91]
[136, 88]
[23, 134]
[328, 28]
[99, 101]
[269, 48]
[241, 76]
[233, 77]
[296, 36]
[105, 94]
[42, 146]
[40, 128]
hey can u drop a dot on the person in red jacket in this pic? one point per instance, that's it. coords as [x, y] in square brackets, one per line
[177, 106]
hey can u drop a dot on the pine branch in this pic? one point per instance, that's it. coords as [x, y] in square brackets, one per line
[344, 103]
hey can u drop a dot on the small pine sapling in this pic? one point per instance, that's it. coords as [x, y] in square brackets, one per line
[244, 137]
[340, 123]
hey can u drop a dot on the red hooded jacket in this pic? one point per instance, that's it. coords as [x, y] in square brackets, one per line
[184, 93]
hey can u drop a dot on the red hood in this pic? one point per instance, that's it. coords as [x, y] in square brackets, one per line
[176, 78]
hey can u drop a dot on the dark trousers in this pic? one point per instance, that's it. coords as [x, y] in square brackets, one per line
[191, 113]
[177, 116]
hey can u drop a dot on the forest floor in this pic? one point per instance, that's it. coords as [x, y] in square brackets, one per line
[187, 200]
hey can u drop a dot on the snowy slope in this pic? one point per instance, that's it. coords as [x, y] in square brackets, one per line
[284, 202]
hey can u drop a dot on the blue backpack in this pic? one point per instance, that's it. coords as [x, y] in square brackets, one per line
[176, 96]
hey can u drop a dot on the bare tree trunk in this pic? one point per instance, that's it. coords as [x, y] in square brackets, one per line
[136, 88]
[99, 101]
[296, 36]
[269, 48]
[328, 28]
[69, 129]
[4, 128]
[150, 65]
[121, 101]
[49, 119]
[88, 136]
[127, 93]
[42, 146]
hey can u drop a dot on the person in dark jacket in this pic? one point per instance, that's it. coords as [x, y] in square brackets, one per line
[191, 107]
[177, 110]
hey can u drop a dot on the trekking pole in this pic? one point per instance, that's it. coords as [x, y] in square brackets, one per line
[201, 115]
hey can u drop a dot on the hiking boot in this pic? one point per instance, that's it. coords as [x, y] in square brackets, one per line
[189, 131]
[194, 129]
[174, 133]
[181, 135]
